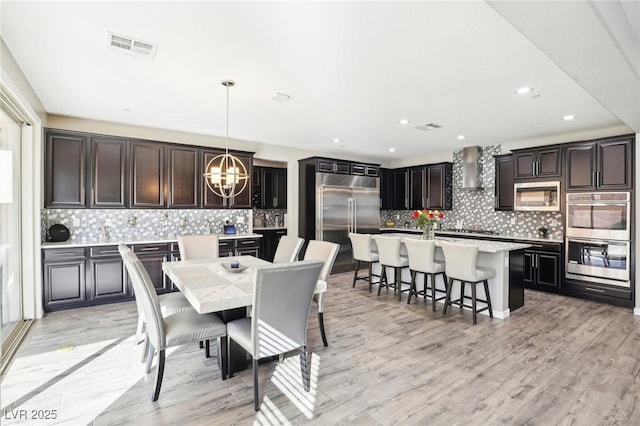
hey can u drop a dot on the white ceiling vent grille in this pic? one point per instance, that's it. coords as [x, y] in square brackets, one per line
[130, 46]
[428, 126]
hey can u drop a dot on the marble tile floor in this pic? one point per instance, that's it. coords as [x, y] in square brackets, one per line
[558, 360]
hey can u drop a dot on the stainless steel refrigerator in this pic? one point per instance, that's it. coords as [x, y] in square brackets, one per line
[345, 204]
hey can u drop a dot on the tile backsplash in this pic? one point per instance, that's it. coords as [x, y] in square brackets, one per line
[140, 224]
[269, 218]
[475, 209]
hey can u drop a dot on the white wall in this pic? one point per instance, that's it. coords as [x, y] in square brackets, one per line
[636, 240]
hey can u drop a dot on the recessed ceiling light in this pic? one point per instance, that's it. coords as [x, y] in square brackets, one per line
[392, 150]
[336, 140]
[279, 97]
[460, 137]
[404, 121]
[569, 117]
[524, 90]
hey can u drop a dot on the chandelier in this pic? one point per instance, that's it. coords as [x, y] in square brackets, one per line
[225, 175]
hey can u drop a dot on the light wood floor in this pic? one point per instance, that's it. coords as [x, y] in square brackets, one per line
[558, 360]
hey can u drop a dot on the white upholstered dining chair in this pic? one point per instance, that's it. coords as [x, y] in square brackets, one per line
[205, 246]
[164, 332]
[326, 252]
[288, 249]
[170, 303]
[281, 303]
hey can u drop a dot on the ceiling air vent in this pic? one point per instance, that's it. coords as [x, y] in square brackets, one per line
[428, 126]
[130, 46]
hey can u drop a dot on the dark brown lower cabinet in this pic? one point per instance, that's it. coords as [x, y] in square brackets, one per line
[79, 276]
[64, 280]
[107, 279]
[542, 266]
[269, 242]
[248, 247]
[152, 257]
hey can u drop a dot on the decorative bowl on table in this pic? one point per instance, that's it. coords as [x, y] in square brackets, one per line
[232, 268]
[390, 224]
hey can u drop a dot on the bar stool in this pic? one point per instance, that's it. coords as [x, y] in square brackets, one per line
[460, 265]
[389, 253]
[421, 261]
[362, 245]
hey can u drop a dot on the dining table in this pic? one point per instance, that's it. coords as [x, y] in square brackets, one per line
[213, 286]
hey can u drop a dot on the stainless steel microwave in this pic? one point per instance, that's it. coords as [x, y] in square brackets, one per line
[537, 196]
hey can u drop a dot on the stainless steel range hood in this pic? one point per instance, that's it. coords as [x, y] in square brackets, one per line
[472, 168]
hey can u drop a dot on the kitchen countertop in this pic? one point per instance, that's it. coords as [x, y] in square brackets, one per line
[519, 237]
[98, 242]
[484, 246]
[269, 228]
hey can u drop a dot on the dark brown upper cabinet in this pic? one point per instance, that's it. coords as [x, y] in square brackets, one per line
[108, 172]
[210, 199]
[65, 169]
[364, 170]
[504, 182]
[274, 188]
[604, 164]
[439, 194]
[400, 189]
[386, 189]
[429, 186]
[184, 177]
[417, 188]
[147, 174]
[327, 165]
[539, 163]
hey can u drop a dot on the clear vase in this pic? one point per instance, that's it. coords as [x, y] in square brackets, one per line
[427, 232]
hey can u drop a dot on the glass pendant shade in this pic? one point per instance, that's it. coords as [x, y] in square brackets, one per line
[225, 175]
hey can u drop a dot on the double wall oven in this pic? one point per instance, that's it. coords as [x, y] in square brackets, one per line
[598, 237]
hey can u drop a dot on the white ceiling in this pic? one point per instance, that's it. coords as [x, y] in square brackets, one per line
[352, 69]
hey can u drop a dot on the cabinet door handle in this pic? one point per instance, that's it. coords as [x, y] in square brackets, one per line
[595, 290]
[109, 251]
[150, 249]
[67, 253]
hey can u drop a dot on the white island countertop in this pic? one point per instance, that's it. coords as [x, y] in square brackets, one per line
[484, 246]
[475, 235]
[147, 240]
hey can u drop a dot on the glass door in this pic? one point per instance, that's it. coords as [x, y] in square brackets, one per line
[11, 303]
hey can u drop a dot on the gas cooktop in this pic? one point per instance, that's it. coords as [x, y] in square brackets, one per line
[471, 231]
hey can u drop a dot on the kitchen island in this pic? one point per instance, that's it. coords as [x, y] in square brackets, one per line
[506, 258]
